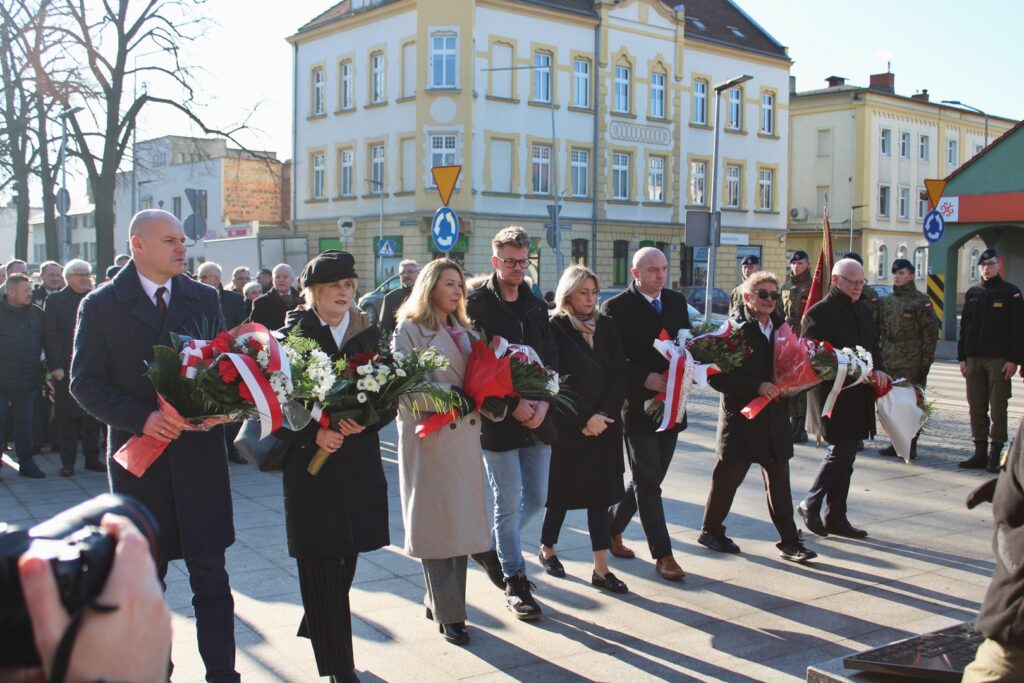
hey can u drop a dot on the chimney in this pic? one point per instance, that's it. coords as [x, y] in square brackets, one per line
[792, 84]
[835, 81]
[885, 82]
[920, 96]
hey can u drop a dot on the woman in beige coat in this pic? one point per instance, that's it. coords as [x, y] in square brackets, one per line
[441, 476]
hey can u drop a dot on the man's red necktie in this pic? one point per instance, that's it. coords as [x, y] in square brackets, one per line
[161, 304]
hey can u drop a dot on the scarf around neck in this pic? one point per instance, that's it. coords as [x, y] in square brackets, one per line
[585, 325]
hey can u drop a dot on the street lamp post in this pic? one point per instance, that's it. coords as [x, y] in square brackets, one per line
[852, 209]
[960, 104]
[715, 227]
[378, 185]
[64, 176]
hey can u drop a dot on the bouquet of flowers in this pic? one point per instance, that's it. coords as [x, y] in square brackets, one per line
[203, 383]
[794, 371]
[499, 370]
[362, 387]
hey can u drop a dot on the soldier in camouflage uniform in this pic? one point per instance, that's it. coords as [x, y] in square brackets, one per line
[748, 266]
[908, 333]
[794, 299]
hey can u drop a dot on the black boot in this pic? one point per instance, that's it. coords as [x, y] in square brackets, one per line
[977, 461]
[995, 453]
[492, 566]
[799, 433]
[519, 598]
[913, 447]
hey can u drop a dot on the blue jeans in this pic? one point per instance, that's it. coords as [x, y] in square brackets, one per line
[20, 402]
[519, 484]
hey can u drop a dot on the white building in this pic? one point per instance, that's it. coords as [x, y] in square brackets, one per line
[386, 90]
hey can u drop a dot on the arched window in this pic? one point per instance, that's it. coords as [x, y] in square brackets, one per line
[974, 264]
[883, 261]
[901, 251]
[920, 262]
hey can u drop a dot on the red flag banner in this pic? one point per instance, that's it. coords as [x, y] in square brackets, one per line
[823, 270]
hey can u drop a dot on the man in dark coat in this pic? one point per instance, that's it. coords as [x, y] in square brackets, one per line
[59, 337]
[844, 321]
[51, 281]
[641, 313]
[270, 309]
[21, 346]
[187, 487]
[407, 272]
[231, 304]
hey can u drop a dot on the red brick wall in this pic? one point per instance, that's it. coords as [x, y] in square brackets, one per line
[254, 190]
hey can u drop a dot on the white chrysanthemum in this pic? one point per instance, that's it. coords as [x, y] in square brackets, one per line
[400, 372]
[263, 358]
[361, 385]
[364, 370]
[553, 383]
[398, 355]
[361, 397]
[371, 384]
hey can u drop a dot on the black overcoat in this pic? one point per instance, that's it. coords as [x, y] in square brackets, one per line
[59, 339]
[344, 509]
[187, 488]
[586, 471]
[233, 306]
[768, 437]
[638, 325]
[270, 309]
[843, 323]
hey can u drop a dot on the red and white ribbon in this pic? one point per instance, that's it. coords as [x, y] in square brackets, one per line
[683, 373]
[320, 416]
[196, 354]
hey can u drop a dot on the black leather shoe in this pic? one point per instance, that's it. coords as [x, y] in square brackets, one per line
[552, 565]
[609, 582]
[519, 598]
[719, 542]
[995, 455]
[31, 470]
[95, 465]
[889, 450]
[455, 633]
[67, 471]
[490, 563]
[794, 551]
[812, 520]
[977, 461]
[236, 457]
[845, 529]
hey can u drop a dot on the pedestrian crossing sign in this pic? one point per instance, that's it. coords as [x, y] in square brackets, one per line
[386, 248]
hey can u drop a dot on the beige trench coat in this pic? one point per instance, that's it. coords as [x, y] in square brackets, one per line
[441, 476]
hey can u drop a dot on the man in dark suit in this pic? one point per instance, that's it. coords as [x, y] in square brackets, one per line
[844, 321]
[407, 272]
[187, 487]
[641, 313]
[270, 309]
[231, 304]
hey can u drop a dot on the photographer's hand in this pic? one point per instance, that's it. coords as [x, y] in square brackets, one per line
[132, 643]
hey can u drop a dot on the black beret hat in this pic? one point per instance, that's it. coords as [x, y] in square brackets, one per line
[750, 260]
[799, 255]
[901, 263]
[987, 254]
[329, 266]
[855, 256]
[112, 271]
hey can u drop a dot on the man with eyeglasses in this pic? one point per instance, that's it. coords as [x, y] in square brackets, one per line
[843, 320]
[240, 277]
[516, 443]
[990, 349]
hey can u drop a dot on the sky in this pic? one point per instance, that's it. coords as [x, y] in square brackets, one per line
[966, 52]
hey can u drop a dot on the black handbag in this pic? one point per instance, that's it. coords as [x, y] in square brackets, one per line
[267, 454]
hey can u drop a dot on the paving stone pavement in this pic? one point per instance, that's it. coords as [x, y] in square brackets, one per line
[746, 617]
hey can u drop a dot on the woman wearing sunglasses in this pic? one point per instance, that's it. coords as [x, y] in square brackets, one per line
[765, 440]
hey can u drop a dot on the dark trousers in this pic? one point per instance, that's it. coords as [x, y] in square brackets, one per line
[20, 404]
[325, 583]
[726, 479]
[832, 483]
[987, 392]
[649, 457]
[215, 615]
[231, 431]
[42, 423]
[72, 428]
[597, 524]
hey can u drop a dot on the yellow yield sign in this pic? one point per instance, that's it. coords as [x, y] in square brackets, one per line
[445, 178]
[934, 188]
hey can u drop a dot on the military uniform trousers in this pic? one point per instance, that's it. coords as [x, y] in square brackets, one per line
[987, 394]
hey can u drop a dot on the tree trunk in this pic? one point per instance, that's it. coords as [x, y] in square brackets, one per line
[103, 198]
[22, 205]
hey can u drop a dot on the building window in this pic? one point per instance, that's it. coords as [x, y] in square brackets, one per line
[656, 179]
[824, 142]
[348, 99]
[735, 118]
[923, 147]
[697, 173]
[975, 255]
[700, 102]
[886, 143]
[766, 189]
[377, 169]
[409, 69]
[503, 78]
[443, 58]
[922, 203]
[581, 83]
[318, 176]
[620, 176]
[175, 208]
[732, 186]
[904, 203]
[318, 92]
[620, 262]
[882, 256]
[346, 175]
[657, 95]
[541, 158]
[883, 200]
[622, 77]
[920, 262]
[952, 152]
[768, 113]
[904, 145]
[377, 78]
[580, 164]
[442, 152]
[542, 77]
[978, 148]
[579, 252]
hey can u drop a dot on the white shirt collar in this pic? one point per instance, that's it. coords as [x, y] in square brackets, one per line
[766, 330]
[150, 288]
[339, 331]
[650, 299]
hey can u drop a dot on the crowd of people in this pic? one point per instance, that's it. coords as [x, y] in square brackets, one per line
[470, 490]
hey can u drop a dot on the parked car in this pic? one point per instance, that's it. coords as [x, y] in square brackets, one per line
[695, 294]
[372, 302]
[883, 290]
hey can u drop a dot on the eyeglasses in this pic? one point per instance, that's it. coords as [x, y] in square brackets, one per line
[765, 294]
[989, 264]
[516, 262]
[855, 283]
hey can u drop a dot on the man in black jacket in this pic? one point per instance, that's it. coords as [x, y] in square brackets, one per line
[516, 443]
[641, 313]
[270, 309]
[21, 346]
[990, 349]
[407, 272]
[844, 321]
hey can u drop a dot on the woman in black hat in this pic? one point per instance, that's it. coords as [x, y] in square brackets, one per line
[343, 511]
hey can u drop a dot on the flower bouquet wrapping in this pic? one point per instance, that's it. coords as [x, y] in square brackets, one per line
[902, 409]
[203, 383]
[362, 387]
[500, 370]
[793, 369]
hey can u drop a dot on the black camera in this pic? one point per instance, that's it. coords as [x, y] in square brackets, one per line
[80, 554]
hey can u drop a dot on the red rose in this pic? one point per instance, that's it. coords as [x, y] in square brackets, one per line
[227, 371]
[363, 358]
[243, 391]
[222, 343]
[255, 346]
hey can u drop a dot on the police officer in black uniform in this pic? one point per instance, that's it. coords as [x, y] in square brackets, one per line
[990, 349]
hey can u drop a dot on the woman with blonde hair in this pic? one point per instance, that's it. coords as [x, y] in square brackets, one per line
[441, 476]
[586, 461]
